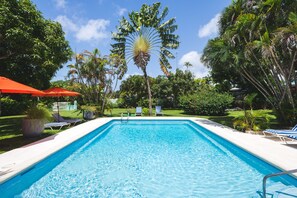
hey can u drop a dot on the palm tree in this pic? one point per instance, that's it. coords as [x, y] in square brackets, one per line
[287, 38]
[187, 64]
[94, 74]
[252, 43]
[89, 74]
[144, 35]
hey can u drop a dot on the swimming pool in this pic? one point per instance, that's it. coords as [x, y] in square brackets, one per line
[142, 158]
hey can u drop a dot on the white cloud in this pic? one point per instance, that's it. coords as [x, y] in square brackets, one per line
[211, 28]
[67, 24]
[60, 3]
[121, 11]
[91, 30]
[197, 67]
[94, 29]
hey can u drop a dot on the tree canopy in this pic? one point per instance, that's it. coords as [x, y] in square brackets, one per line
[258, 43]
[32, 48]
[166, 91]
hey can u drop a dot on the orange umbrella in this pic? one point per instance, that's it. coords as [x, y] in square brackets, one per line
[9, 86]
[57, 92]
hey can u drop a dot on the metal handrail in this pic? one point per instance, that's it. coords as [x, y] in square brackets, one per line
[122, 115]
[274, 175]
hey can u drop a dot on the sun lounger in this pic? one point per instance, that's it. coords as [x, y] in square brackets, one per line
[59, 118]
[287, 136]
[138, 111]
[52, 125]
[158, 111]
[282, 134]
[293, 136]
[281, 131]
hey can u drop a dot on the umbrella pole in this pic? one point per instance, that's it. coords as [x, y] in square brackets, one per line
[58, 110]
[0, 102]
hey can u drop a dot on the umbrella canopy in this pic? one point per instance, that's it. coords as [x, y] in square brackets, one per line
[57, 92]
[9, 86]
[12, 87]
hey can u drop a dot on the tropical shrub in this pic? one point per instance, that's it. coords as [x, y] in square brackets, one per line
[206, 102]
[146, 111]
[10, 107]
[38, 112]
[251, 120]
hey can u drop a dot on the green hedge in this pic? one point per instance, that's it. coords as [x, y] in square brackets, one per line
[206, 102]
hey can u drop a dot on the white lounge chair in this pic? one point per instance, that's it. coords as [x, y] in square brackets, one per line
[138, 111]
[59, 118]
[52, 125]
[158, 111]
[280, 131]
[293, 136]
[282, 134]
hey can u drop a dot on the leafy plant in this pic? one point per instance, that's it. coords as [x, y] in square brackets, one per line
[88, 108]
[206, 103]
[252, 121]
[146, 111]
[38, 112]
[249, 99]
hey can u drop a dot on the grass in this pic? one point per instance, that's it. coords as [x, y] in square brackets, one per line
[116, 112]
[11, 136]
[225, 120]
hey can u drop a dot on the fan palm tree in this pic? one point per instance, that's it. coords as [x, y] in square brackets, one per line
[144, 35]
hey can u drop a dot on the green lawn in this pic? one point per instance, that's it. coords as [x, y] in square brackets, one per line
[11, 136]
[225, 120]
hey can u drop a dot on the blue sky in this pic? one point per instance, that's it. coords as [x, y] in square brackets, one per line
[88, 25]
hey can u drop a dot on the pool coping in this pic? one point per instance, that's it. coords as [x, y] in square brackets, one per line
[18, 160]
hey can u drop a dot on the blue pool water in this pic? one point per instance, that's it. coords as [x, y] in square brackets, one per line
[147, 159]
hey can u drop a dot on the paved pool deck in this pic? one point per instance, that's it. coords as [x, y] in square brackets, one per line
[282, 156]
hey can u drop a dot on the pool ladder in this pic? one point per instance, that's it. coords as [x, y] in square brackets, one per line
[122, 117]
[274, 175]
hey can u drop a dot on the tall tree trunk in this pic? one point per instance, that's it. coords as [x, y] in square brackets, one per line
[148, 91]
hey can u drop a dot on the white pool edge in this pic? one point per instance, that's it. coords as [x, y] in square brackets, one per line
[16, 161]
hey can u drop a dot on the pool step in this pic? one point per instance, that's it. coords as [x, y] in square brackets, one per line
[279, 190]
[288, 192]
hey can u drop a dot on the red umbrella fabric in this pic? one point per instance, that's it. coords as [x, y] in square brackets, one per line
[57, 92]
[12, 87]
[9, 86]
